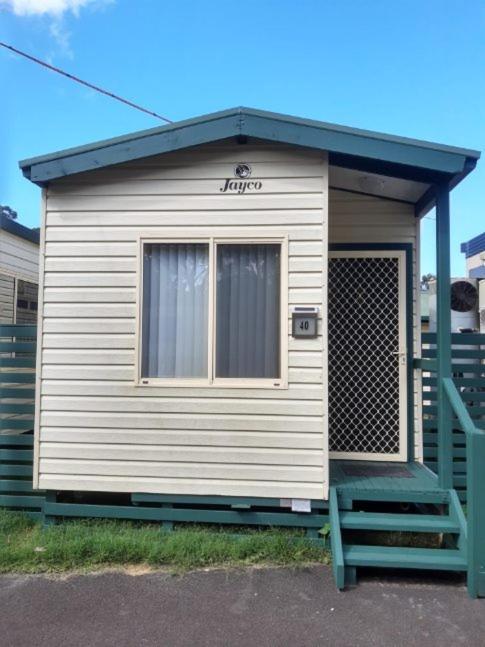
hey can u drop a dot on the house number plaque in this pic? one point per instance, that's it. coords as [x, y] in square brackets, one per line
[304, 322]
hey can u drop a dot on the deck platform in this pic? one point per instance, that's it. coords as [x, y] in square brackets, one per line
[388, 481]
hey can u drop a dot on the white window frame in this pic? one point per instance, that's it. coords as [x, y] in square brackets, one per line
[211, 381]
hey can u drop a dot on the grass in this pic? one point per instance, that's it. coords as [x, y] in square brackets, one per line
[86, 545]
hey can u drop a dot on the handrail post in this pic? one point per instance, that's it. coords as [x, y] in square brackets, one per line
[475, 454]
[443, 336]
[475, 484]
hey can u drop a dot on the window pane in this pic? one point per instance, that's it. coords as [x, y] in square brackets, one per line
[175, 310]
[248, 311]
[27, 297]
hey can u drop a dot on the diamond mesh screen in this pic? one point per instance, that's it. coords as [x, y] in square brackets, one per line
[363, 329]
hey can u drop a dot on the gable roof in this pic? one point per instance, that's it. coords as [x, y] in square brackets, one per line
[21, 231]
[354, 148]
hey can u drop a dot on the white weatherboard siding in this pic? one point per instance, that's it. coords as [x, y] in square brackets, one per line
[96, 429]
[7, 294]
[357, 218]
[19, 257]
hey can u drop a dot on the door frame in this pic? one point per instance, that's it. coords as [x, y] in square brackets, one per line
[407, 448]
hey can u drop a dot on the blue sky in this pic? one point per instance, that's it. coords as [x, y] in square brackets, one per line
[413, 68]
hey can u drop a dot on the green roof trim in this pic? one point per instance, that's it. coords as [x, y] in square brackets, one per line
[350, 147]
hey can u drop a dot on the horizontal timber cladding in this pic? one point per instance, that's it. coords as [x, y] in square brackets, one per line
[359, 219]
[96, 429]
[19, 257]
[7, 296]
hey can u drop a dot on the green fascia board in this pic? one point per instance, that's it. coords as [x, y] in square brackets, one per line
[118, 152]
[353, 142]
[341, 140]
[124, 139]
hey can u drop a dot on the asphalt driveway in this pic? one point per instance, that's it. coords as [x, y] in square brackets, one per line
[260, 607]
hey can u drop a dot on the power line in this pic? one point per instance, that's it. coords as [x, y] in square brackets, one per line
[86, 83]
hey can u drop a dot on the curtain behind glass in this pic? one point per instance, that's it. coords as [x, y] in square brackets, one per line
[175, 310]
[248, 311]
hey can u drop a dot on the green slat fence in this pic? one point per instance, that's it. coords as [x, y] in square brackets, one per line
[16, 491]
[17, 395]
[17, 378]
[468, 357]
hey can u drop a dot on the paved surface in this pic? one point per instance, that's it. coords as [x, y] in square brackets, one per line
[260, 607]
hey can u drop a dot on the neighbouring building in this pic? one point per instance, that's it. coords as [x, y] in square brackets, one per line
[474, 250]
[19, 272]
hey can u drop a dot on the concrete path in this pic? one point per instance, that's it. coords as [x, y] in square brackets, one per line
[261, 607]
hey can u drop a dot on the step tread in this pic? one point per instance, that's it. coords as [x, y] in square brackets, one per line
[397, 521]
[398, 496]
[403, 557]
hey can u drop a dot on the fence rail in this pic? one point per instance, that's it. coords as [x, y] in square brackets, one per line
[17, 396]
[17, 378]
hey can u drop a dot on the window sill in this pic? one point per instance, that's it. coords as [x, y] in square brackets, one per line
[216, 384]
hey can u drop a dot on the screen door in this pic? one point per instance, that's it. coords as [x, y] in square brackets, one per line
[367, 374]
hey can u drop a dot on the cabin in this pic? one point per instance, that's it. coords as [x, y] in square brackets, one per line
[230, 312]
[19, 272]
[474, 251]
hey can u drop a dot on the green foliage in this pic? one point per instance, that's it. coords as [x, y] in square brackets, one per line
[8, 212]
[325, 533]
[87, 545]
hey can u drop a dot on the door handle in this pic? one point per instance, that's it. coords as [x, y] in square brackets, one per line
[402, 356]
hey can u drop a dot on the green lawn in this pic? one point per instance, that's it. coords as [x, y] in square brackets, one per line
[26, 547]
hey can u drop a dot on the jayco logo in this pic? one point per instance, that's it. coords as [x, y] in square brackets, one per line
[242, 184]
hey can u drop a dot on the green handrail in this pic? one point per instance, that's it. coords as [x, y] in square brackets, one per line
[460, 409]
[475, 456]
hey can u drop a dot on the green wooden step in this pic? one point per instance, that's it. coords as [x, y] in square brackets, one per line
[436, 559]
[402, 522]
[395, 496]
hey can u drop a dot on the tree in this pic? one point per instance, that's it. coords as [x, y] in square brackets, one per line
[8, 212]
[426, 279]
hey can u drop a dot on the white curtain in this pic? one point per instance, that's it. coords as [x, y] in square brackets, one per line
[175, 310]
[248, 311]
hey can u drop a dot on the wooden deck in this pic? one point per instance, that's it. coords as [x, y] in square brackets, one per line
[378, 481]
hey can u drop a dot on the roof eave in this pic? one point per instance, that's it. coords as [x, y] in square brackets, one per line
[428, 199]
[396, 154]
[21, 231]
